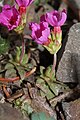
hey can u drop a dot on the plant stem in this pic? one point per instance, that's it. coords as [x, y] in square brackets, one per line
[23, 48]
[54, 64]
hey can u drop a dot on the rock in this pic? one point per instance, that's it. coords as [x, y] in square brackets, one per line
[69, 65]
[30, 17]
[9, 113]
[72, 110]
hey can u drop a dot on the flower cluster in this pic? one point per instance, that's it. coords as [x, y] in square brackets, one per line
[43, 35]
[11, 17]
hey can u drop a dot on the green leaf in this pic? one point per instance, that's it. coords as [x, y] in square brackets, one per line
[28, 67]
[41, 116]
[48, 94]
[54, 87]
[17, 102]
[21, 72]
[9, 66]
[10, 73]
[4, 45]
[42, 69]
[26, 107]
[45, 89]
[48, 73]
[18, 53]
[37, 2]
[24, 59]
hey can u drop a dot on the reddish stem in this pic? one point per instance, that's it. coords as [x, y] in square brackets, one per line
[5, 91]
[17, 78]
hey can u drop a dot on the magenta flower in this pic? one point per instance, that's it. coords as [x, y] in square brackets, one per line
[9, 17]
[40, 32]
[55, 18]
[24, 3]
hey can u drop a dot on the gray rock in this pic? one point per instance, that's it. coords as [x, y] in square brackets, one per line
[72, 110]
[69, 65]
[9, 113]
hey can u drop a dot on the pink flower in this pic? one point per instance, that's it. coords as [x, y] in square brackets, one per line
[9, 17]
[55, 18]
[40, 32]
[24, 3]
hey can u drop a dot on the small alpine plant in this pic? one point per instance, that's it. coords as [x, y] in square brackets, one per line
[49, 38]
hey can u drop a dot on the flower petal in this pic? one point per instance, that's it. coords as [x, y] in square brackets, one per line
[6, 10]
[3, 20]
[63, 18]
[49, 19]
[40, 32]
[24, 2]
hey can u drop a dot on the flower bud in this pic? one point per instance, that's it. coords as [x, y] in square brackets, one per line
[55, 40]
